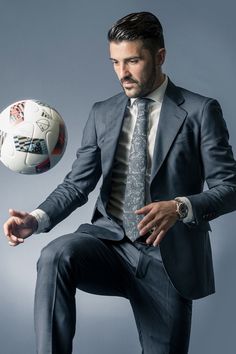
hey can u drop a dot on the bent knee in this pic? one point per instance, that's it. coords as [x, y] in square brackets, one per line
[65, 248]
[56, 249]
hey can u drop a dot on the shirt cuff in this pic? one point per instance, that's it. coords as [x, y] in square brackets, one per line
[189, 217]
[42, 219]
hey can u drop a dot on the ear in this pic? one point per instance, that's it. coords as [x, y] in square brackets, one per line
[160, 56]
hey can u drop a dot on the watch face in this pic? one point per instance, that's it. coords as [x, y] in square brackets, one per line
[183, 210]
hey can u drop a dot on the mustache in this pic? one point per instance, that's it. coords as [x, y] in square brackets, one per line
[128, 79]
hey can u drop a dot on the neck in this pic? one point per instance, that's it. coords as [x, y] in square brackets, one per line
[160, 81]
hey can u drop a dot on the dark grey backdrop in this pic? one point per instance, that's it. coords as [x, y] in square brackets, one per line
[56, 51]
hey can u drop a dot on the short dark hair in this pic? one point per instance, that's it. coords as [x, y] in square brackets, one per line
[140, 25]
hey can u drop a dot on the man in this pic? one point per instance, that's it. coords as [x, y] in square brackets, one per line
[154, 146]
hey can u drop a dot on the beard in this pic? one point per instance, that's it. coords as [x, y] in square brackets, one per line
[136, 88]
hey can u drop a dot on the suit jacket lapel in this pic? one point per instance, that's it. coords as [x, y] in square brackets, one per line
[114, 122]
[171, 119]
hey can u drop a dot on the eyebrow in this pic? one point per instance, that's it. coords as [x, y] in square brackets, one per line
[129, 58]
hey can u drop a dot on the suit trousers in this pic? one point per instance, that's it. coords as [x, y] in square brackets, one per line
[117, 268]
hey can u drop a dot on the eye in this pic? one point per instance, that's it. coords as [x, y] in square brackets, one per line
[114, 62]
[134, 61]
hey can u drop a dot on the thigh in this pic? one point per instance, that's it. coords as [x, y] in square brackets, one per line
[89, 262]
[162, 315]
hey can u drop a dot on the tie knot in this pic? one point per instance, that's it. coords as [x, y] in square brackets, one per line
[142, 104]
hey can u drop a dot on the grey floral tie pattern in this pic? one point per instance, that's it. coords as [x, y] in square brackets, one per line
[135, 183]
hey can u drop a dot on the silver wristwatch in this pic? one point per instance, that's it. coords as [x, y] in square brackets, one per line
[181, 209]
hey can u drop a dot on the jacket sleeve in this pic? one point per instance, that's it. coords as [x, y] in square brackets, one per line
[219, 167]
[80, 181]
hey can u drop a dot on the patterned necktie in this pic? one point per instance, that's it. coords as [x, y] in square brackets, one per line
[135, 183]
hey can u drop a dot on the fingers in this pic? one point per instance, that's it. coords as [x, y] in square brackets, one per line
[17, 213]
[156, 236]
[144, 210]
[148, 222]
[159, 237]
[14, 243]
[144, 228]
[8, 227]
[13, 240]
[158, 218]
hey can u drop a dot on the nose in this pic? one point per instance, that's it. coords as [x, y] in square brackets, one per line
[123, 71]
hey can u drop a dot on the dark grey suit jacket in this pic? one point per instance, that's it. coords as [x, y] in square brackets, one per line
[191, 147]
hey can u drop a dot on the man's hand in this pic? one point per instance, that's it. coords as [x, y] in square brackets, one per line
[159, 218]
[19, 226]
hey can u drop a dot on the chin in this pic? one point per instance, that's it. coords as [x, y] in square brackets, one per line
[132, 94]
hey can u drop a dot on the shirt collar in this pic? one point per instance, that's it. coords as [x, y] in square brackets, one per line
[157, 95]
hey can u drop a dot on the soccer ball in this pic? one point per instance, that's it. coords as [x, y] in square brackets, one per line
[33, 137]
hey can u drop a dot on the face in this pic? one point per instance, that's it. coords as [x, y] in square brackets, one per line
[138, 71]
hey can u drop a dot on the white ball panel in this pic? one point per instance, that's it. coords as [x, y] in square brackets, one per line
[8, 148]
[51, 138]
[34, 159]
